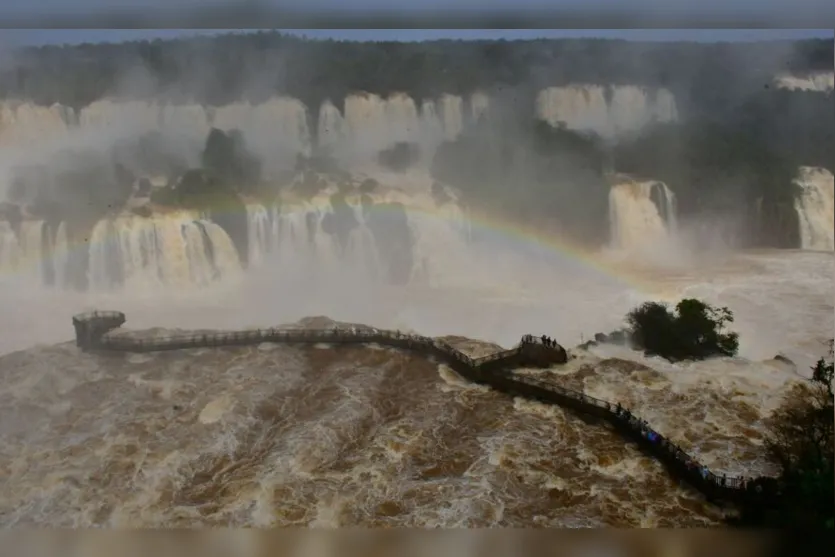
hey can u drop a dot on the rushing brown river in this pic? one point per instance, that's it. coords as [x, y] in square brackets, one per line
[276, 435]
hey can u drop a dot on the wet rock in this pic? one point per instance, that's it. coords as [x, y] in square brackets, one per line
[783, 360]
[620, 337]
[369, 185]
[142, 211]
[538, 355]
[143, 188]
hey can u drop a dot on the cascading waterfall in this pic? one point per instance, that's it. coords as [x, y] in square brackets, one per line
[608, 111]
[60, 256]
[10, 252]
[293, 236]
[32, 246]
[640, 214]
[442, 242]
[174, 249]
[377, 237]
[259, 232]
[29, 250]
[278, 129]
[815, 206]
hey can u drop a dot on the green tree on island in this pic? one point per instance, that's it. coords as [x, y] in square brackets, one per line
[695, 331]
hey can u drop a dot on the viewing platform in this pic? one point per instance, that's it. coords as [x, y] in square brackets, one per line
[90, 327]
[494, 370]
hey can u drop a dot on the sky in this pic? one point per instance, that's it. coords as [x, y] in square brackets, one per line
[26, 37]
[775, 7]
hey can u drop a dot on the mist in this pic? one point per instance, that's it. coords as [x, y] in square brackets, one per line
[540, 151]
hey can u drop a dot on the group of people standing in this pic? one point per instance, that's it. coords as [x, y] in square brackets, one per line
[546, 340]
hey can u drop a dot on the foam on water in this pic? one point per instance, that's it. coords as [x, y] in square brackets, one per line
[354, 436]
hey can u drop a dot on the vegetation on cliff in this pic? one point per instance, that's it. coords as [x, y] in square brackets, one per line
[741, 167]
[399, 157]
[801, 436]
[229, 170]
[530, 171]
[694, 331]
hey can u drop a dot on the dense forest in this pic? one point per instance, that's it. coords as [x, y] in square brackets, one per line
[226, 68]
[734, 151]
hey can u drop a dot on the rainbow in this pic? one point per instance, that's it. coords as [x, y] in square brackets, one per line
[544, 244]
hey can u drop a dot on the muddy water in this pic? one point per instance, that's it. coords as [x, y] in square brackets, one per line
[320, 436]
[276, 435]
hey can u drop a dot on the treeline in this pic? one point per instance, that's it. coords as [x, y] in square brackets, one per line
[226, 68]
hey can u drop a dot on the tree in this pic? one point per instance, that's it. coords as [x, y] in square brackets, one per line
[695, 331]
[227, 160]
[802, 442]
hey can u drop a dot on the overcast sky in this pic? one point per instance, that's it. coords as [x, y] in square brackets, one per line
[22, 37]
[775, 7]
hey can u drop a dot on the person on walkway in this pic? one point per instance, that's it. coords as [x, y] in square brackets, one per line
[544, 340]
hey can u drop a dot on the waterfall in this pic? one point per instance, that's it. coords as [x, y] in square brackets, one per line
[176, 249]
[608, 111]
[451, 115]
[259, 232]
[815, 208]
[479, 105]
[382, 237]
[640, 214]
[823, 82]
[294, 238]
[331, 129]
[10, 252]
[60, 256]
[277, 129]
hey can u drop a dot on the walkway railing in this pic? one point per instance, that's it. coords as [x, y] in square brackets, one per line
[499, 376]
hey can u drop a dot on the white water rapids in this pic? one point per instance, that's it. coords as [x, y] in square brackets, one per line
[277, 436]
